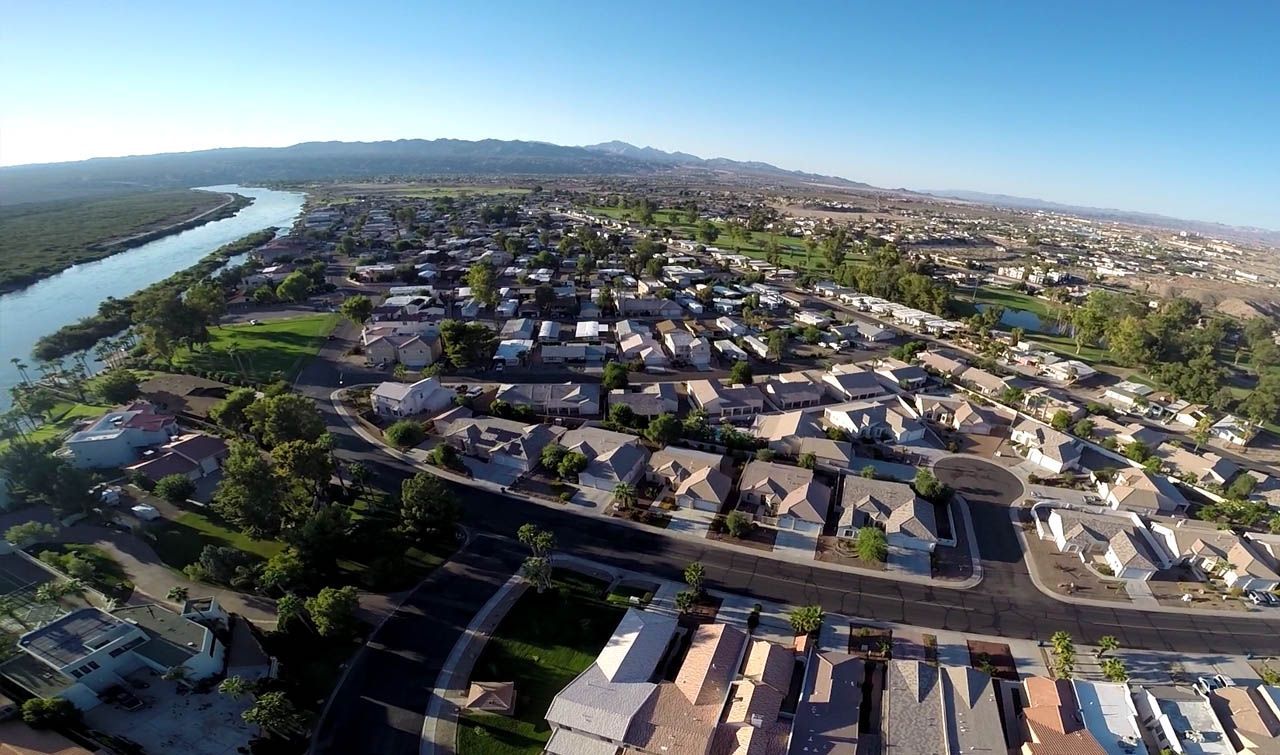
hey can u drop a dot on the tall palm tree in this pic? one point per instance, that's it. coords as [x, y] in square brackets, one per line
[624, 494]
[22, 370]
[288, 608]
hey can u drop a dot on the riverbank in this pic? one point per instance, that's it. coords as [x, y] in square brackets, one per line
[109, 321]
[45, 240]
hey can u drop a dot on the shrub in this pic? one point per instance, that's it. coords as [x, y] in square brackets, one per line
[405, 434]
[46, 713]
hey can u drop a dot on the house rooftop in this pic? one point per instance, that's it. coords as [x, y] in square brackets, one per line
[66, 640]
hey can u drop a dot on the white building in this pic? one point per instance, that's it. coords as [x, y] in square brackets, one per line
[392, 399]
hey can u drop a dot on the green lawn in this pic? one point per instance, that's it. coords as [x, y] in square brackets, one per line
[793, 251]
[261, 350]
[63, 415]
[542, 644]
[179, 542]
[108, 575]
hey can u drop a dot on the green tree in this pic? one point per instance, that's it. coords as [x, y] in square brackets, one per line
[175, 488]
[294, 287]
[871, 545]
[776, 341]
[807, 460]
[480, 278]
[806, 619]
[614, 376]
[274, 712]
[1083, 428]
[284, 571]
[544, 296]
[552, 453]
[686, 600]
[231, 414]
[178, 594]
[708, 232]
[540, 542]
[1107, 644]
[1061, 420]
[48, 712]
[250, 494]
[930, 488]
[357, 309]
[737, 523]
[289, 608]
[695, 575]
[537, 570]
[208, 300]
[428, 506]
[116, 386]
[333, 611]
[285, 417]
[30, 533]
[740, 373]
[663, 429]
[868, 472]
[571, 464]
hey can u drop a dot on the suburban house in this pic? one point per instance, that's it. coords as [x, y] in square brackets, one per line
[413, 351]
[730, 351]
[1109, 715]
[908, 521]
[990, 384]
[731, 327]
[782, 432]
[1123, 435]
[85, 652]
[722, 402]
[697, 479]
[117, 438]
[752, 721]
[1051, 720]
[790, 494]
[886, 419]
[1189, 415]
[898, 374]
[612, 458]
[1204, 468]
[394, 399]
[1181, 720]
[650, 401]
[827, 719]
[642, 347]
[931, 709]
[1050, 449]
[851, 383]
[1127, 395]
[554, 399]
[1247, 717]
[959, 414]
[1141, 492]
[937, 362]
[1233, 430]
[1220, 553]
[520, 328]
[501, 441]
[792, 390]
[621, 700]
[194, 455]
[1120, 541]
[686, 348]
[863, 331]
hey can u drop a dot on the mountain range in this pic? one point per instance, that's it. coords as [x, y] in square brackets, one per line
[413, 158]
[318, 161]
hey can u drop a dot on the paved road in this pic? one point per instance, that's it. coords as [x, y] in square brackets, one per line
[379, 708]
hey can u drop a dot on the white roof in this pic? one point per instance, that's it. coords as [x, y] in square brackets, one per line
[639, 642]
[1108, 714]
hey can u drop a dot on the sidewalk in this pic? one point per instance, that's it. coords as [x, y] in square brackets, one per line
[418, 458]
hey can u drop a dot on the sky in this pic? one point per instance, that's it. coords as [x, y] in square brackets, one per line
[1167, 106]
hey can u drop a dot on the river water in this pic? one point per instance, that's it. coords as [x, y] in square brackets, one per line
[45, 306]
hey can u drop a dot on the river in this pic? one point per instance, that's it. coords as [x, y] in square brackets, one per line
[45, 306]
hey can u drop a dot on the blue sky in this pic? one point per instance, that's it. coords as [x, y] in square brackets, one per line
[1162, 106]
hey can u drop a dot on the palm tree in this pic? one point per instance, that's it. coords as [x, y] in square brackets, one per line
[175, 674]
[178, 594]
[624, 495]
[695, 575]
[289, 607]
[1107, 644]
[22, 370]
[234, 687]
[273, 712]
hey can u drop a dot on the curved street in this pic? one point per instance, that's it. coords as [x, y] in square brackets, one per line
[379, 708]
